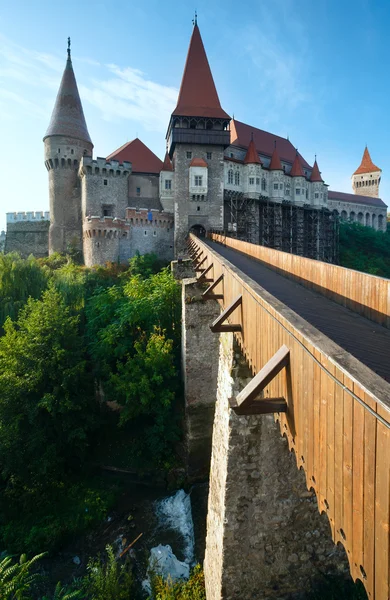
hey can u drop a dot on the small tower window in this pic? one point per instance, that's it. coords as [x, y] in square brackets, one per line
[257, 180]
[230, 176]
[209, 155]
[105, 182]
[138, 191]
[154, 233]
[198, 208]
[276, 186]
[251, 181]
[263, 184]
[189, 154]
[59, 150]
[145, 233]
[72, 151]
[298, 192]
[237, 178]
[168, 184]
[198, 180]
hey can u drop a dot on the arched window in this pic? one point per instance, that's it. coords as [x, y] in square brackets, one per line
[352, 216]
[374, 221]
[360, 218]
[263, 184]
[344, 215]
[380, 222]
[237, 178]
[230, 176]
[367, 219]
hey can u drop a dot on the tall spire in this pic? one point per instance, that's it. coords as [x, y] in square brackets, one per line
[315, 174]
[275, 164]
[296, 169]
[68, 118]
[251, 156]
[366, 166]
[198, 96]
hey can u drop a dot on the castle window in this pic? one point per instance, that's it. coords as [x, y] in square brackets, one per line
[276, 186]
[316, 195]
[281, 186]
[251, 181]
[298, 192]
[72, 151]
[231, 155]
[198, 208]
[189, 154]
[138, 191]
[287, 191]
[154, 233]
[145, 233]
[105, 182]
[230, 176]
[168, 184]
[59, 150]
[263, 184]
[209, 155]
[237, 178]
[257, 180]
[193, 196]
[198, 180]
[202, 197]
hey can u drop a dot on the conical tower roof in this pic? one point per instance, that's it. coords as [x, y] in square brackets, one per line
[296, 169]
[275, 164]
[366, 166]
[198, 96]
[251, 154]
[315, 174]
[167, 165]
[68, 117]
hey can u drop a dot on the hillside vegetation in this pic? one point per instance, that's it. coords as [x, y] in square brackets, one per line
[365, 249]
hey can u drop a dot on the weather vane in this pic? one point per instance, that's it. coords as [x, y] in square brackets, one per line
[68, 47]
[195, 19]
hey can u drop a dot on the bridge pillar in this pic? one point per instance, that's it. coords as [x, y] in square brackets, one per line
[200, 351]
[265, 537]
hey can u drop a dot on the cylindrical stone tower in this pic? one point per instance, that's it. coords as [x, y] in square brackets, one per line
[66, 141]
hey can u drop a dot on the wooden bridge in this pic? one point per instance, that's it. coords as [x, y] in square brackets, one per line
[317, 339]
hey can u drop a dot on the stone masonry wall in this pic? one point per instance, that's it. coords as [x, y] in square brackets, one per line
[29, 237]
[265, 537]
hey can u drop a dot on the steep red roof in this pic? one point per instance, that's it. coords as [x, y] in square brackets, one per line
[275, 164]
[315, 174]
[296, 169]
[143, 160]
[355, 199]
[167, 165]
[198, 96]
[240, 135]
[251, 155]
[366, 166]
[198, 162]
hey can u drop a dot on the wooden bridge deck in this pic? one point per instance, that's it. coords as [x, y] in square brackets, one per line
[369, 342]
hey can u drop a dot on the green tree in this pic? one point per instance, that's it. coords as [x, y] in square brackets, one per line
[365, 249]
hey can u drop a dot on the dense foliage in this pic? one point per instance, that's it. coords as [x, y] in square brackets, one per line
[86, 355]
[365, 249]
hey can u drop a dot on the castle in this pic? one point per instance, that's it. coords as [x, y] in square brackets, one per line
[218, 174]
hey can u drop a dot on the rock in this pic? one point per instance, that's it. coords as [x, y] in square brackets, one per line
[77, 560]
[293, 558]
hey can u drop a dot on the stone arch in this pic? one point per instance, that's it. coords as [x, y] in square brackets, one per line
[374, 221]
[367, 219]
[198, 230]
[380, 222]
[360, 218]
[344, 215]
[352, 216]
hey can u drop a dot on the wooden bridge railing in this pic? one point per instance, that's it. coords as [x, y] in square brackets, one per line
[365, 294]
[337, 419]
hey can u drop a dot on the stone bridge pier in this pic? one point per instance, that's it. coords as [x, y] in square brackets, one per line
[265, 536]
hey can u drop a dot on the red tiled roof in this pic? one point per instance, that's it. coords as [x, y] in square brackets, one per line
[143, 160]
[366, 166]
[198, 162]
[296, 169]
[240, 135]
[275, 164]
[167, 166]
[198, 96]
[315, 174]
[354, 198]
[251, 155]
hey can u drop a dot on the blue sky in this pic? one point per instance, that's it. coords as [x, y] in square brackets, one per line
[315, 71]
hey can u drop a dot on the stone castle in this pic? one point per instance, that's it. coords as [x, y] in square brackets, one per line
[218, 174]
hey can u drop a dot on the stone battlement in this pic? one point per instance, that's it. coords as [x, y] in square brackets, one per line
[105, 227]
[101, 166]
[143, 216]
[18, 217]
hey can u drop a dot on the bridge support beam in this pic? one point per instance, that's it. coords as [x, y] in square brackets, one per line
[265, 537]
[200, 352]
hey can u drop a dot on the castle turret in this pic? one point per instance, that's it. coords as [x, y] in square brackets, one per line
[66, 141]
[318, 187]
[276, 186]
[252, 164]
[367, 177]
[299, 181]
[167, 185]
[198, 129]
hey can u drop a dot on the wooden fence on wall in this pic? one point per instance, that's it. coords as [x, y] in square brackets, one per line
[365, 294]
[337, 420]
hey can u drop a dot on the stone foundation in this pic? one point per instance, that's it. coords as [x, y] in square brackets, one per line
[265, 537]
[183, 269]
[200, 370]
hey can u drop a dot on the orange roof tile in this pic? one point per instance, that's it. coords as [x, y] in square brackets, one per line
[251, 155]
[198, 162]
[366, 166]
[241, 134]
[315, 174]
[167, 166]
[142, 158]
[296, 169]
[198, 96]
[275, 164]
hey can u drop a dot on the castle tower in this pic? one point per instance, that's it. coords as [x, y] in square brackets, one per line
[367, 177]
[276, 192]
[197, 135]
[318, 189]
[66, 141]
[300, 189]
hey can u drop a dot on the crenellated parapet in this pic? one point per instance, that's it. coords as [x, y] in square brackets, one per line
[144, 217]
[102, 167]
[105, 227]
[31, 216]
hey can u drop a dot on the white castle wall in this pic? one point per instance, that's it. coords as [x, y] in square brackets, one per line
[17, 217]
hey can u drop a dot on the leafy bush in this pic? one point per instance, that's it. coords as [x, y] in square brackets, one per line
[16, 580]
[193, 589]
[108, 580]
[365, 249]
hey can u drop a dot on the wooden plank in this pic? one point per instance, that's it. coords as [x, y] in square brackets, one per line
[330, 447]
[338, 455]
[382, 516]
[370, 425]
[358, 482]
[347, 521]
[217, 324]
